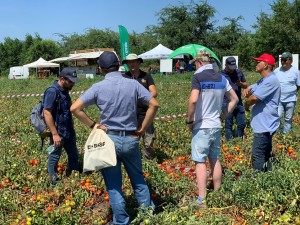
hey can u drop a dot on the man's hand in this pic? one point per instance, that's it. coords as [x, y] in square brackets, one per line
[191, 126]
[247, 92]
[56, 140]
[100, 126]
[239, 83]
[140, 133]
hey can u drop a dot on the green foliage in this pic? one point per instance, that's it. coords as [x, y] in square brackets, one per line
[187, 23]
[9, 54]
[93, 38]
[279, 31]
[191, 22]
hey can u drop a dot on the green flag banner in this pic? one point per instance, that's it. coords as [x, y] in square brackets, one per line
[124, 44]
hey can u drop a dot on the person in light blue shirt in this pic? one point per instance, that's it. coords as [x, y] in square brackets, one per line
[265, 96]
[117, 98]
[289, 78]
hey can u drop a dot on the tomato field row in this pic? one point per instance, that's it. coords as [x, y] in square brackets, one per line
[245, 197]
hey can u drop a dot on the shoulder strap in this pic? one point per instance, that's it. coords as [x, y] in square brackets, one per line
[57, 100]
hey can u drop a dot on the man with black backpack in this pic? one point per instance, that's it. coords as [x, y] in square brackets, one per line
[57, 103]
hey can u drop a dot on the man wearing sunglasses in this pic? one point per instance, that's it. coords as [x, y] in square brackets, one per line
[289, 78]
[58, 117]
[264, 95]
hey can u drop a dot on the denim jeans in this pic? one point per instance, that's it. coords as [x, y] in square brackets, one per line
[262, 151]
[69, 144]
[127, 150]
[239, 115]
[288, 109]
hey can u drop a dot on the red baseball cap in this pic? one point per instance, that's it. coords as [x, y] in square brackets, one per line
[267, 58]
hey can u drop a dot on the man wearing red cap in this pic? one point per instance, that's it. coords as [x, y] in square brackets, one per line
[265, 96]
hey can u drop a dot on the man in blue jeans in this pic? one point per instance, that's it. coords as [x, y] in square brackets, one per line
[58, 117]
[289, 78]
[237, 81]
[117, 98]
[265, 96]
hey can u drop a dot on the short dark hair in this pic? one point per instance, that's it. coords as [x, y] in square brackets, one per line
[110, 69]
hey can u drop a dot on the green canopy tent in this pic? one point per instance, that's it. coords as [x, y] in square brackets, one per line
[193, 49]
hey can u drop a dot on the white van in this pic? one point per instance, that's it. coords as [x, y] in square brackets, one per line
[18, 72]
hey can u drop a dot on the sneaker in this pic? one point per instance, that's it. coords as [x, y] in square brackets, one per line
[200, 205]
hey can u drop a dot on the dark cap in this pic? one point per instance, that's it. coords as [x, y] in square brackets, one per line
[231, 63]
[69, 73]
[286, 55]
[108, 59]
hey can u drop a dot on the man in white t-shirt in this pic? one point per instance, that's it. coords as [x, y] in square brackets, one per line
[289, 78]
[205, 105]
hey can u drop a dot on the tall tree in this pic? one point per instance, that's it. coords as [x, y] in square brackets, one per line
[183, 24]
[93, 38]
[9, 54]
[279, 31]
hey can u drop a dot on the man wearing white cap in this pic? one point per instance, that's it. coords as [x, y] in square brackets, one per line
[134, 62]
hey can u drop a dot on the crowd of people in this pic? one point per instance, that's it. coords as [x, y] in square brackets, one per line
[127, 106]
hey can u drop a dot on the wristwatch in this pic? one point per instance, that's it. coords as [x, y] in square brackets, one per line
[189, 122]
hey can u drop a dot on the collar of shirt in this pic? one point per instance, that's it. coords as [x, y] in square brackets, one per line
[205, 67]
[55, 83]
[113, 74]
[129, 75]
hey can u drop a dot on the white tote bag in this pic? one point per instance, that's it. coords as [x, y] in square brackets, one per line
[99, 151]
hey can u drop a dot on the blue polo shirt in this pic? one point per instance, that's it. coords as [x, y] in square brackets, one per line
[60, 109]
[289, 80]
[117, 98]
[265, 113]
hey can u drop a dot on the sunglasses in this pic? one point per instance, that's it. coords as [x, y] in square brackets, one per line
[283, 59]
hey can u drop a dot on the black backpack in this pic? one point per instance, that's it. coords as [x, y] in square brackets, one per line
[37, 117]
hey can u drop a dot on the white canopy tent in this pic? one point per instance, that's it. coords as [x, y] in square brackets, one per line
[41, 63]
[77, 56]
[159, 52]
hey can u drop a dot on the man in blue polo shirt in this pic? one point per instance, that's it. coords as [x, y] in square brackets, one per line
[57, 103]
[264, 95]
[289, 78]
[117, 98]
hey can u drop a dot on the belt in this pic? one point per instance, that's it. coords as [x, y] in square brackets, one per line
[121, 132]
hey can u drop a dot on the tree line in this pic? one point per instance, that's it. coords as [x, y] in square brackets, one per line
[177, 26]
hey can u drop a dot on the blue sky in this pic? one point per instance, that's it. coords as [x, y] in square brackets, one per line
[47, 18]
